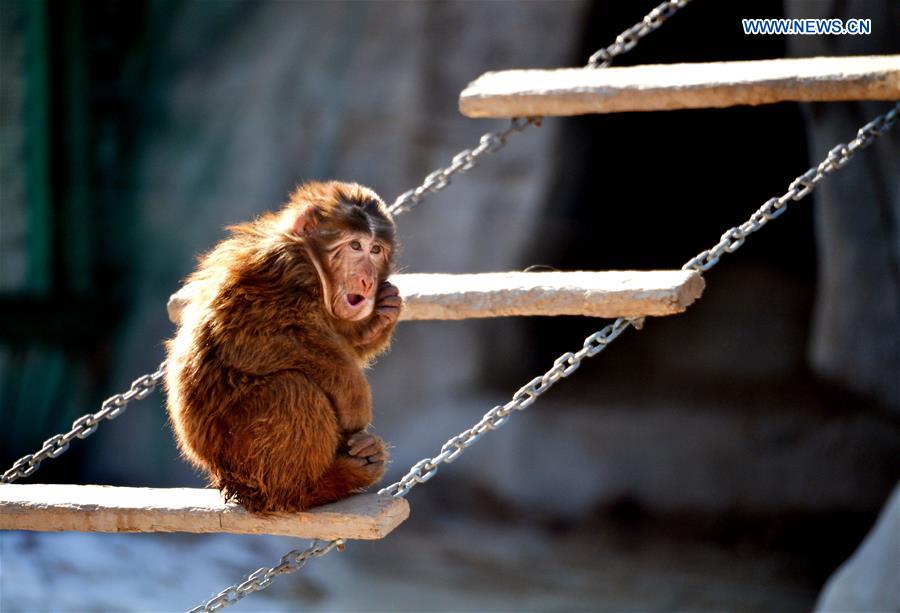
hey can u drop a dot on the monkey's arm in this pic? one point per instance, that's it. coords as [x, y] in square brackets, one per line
[374, 336]
[284, 450]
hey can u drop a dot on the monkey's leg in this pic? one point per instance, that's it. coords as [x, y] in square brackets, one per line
[346, 475]
[285, 438]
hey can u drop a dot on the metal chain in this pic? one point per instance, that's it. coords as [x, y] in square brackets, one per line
[626, 41]
[465, 160]
[261, 578]
[836, 159]
[425, 469]
[491, 142]
[564, 366]
[84, 426]
[568, 363]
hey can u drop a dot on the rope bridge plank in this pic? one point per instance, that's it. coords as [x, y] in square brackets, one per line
[665, 87]
[101, 508]
[621, 293]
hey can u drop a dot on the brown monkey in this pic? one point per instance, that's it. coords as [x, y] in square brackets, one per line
[265, 380]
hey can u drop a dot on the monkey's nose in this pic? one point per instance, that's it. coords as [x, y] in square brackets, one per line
[366, 284]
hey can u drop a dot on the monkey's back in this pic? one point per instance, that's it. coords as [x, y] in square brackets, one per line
[261, 410]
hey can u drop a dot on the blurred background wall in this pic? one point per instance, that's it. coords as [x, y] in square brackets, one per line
[764, 420]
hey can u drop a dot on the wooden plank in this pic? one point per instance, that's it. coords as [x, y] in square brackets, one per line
[628, 293]
[665, 87]
[101, 508]
[503, 294]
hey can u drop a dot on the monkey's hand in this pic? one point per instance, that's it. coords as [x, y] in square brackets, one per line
[387, 309]
[369, 452]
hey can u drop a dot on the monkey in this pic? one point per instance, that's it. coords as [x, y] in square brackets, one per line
[265, 380]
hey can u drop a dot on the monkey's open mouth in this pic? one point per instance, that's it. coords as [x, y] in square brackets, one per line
[355, 299]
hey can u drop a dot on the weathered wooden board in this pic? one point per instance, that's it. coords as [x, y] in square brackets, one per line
[623, 293]
[594, 294]
[663, 87]
[101, 508]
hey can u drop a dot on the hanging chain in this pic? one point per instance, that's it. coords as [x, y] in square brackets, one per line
[465, 160]
[626, 41]
[492, 142]
[84, 426]
[836, 159]
[563, 366]
[261, 579]
[568, 363]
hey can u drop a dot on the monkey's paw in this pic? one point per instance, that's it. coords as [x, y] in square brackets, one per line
[388, 303]
[387, 310]
[367, 446]
[368, 453]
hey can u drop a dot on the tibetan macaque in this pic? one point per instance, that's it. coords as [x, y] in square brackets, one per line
[266, 390]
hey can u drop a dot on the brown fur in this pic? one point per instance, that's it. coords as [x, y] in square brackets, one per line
[265, 386]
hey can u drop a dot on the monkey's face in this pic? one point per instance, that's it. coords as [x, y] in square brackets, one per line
[349, 238]
[356, 264]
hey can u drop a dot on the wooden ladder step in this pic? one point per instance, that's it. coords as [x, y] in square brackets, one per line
[620, 293]
[665, 87]
[102, 508]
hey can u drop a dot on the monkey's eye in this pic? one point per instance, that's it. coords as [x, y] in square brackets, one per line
[376, 249]
[355, 246]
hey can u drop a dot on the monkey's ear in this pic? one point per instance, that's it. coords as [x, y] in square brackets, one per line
[305, 223]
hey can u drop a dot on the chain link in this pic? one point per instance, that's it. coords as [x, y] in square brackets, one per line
[627, 40]
[563, 366]
[465, 160]
[567, 363]
[261, 578]
[491, 142]
[84, 426]
[837, 158]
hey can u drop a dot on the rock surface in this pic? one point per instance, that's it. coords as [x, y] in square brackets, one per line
[854, 339]
[870, 580]
[440, 565]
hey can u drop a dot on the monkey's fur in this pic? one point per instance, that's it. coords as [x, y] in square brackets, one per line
[265, 382]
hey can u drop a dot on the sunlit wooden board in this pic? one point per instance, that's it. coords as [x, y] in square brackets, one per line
[101, 508]
[619, 293]
[663, 87]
